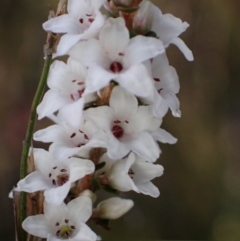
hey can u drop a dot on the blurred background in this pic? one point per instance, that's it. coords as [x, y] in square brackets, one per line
[200, 190]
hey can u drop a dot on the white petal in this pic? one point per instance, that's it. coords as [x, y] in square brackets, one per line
[160, 106]
[97, 78]
[35, 181]
[66, 42]
[137, 81]
[145, 171]
[54, 212]
[72, 114]
[85, 234]
[61, 152]
[62, 24]
[143, 145]
[173, 102]
[43, 161]
[80, 209]
[52, 101]
[184, 48]
[142, 48]
[88, 52]
[56, 195]
[148, 188]
[36, 225]
[101, 116]
[123, 103]
[114, 37]
[50, 134]
[76, 8]
[143, 120]
[163, 136]
[79, 168]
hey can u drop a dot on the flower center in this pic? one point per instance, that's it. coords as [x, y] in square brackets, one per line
[117, 131]
[59, 176]
[62, 179]
[116, 67]
[65, 232]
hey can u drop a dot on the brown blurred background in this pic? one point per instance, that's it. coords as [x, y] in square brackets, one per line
[200, 190]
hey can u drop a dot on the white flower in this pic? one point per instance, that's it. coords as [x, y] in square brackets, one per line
[133, 173]
[67, 85]
[54, 177]
[62, 222]
[83, 21]
[113, 208]
[68, 141]
[167, 27]
[117, 57]
[126, 126]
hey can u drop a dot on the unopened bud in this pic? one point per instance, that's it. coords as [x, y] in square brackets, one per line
[88, 193]
[143, 19]
[114, 208]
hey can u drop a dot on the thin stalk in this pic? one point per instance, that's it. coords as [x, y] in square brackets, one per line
[28, 140]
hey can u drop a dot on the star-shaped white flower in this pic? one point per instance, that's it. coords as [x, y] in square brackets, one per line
[63, 222]
[67, 85]
[67, 141]
[126, 126]
[166, 26]
[53, 176]
[83, 21]
[117, 57]
[133, 173]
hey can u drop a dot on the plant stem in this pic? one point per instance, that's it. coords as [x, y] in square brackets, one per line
[28, 140]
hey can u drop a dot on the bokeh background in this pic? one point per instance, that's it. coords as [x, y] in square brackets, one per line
[200, 190]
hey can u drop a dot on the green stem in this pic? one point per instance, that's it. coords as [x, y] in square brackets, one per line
[28, 140]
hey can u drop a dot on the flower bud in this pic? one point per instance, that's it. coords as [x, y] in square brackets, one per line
[143, 19]
[114, 208]
[90, 194]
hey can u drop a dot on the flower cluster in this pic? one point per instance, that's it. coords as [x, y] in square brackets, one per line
[107, 101]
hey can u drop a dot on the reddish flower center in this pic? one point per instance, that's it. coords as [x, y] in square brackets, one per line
[62, 179]
[117, 131]
[116, 67]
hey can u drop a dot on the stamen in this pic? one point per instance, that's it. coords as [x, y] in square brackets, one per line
[116, 67]
[57, 224]
[54, 182]
[58, 233]
[126, 121]
[50, 174]
[54, 167]
[66, 220]
[80, 83]
[117, 121]
[90, 20]
[73, 134]
[74, 80]
[157, 79]
[63, 170]
[86, 137]
[72, 97]
[81, 131]
[121, 54]
[81, 20]
[73, 227]
[159, 91]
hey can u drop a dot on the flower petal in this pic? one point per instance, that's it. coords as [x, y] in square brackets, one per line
[137, 81]
[97, 78]
[163, 136]
[55, 212]
[35, 181]
[37, 226]
[85, 234]
[80, 209]
[54, 133]
[72, 114]
[52, 101]
[142, 48]
[56, 195]
[148, 188]
[123, 103]
[173, 102]
[184, 48]
[143, 145]
[79, 168]
[62, 24]
[114, 38]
